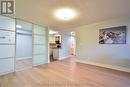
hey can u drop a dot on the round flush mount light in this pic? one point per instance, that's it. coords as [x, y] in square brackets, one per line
[65, 14]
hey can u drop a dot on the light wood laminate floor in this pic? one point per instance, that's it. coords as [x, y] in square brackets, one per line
[23, 64]
[66, 73]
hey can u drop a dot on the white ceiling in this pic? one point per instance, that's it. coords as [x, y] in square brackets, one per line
[91, 11]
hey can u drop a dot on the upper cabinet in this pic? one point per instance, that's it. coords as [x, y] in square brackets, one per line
[7, 23]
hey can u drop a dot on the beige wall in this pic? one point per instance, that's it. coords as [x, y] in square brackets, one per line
[89, 50]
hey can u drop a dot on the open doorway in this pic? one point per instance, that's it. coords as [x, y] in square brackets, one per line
[55, 43]
[73, 44]
[23, 45]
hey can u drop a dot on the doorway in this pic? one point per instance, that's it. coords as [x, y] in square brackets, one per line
[55, 45]
[73, 44]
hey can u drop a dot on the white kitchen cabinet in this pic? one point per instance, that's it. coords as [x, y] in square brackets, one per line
[56, 53]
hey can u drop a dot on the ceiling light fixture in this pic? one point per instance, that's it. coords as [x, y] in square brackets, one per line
[65, 14]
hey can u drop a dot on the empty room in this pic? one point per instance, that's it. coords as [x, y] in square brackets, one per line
[64, 43]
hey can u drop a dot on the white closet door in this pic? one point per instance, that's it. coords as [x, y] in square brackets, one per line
[40, 45]
[7, 45]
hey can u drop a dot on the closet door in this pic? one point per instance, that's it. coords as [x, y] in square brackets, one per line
[23, 40]
[23, 45]
[40, 45]
[7, 45]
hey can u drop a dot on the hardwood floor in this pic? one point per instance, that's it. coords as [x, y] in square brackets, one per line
[23, 64]
[66, 73]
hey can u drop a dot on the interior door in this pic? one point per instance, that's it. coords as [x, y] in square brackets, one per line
[40, 45]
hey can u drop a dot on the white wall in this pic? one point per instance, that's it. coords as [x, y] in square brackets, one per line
[64, 52]
[90, 51]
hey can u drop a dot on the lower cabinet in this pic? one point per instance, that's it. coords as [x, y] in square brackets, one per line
[56, 53]
[6, 65]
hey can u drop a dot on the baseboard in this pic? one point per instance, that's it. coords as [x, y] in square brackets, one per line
[40, 64]
[24, 69]
[22, 58]
[7, 72]
[61, 58]
[104, 65]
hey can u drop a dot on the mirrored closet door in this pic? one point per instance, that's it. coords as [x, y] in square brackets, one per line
[23, 45]
[7, 45]
[40, 45]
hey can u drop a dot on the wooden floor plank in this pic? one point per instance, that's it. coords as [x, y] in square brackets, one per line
[66, 73]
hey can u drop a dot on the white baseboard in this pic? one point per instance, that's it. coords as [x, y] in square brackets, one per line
[24, 69]
[40, 64]
[22, 58]
[104, 65]
[7, 72]
[61, 58]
